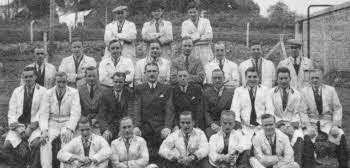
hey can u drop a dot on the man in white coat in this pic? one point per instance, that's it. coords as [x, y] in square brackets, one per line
[201, 33]
[221, 62]
[87, 150]
[265, 68]
[58, 118]
[115, 63]
[121, 29]
[23, 120]
[297, 65]
[249, 103]
[75, 65]
[325, 113]
[129, 150]
[272, 148]
[159, 29]
[186, 147]
[45, 71]
[229, 147]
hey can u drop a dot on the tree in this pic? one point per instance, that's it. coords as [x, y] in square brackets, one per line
[280, 14]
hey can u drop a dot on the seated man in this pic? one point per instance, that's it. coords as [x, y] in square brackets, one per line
[187, 147]
[86, 149]
[325, 113]
[229, 147]
[129, 150]
[272, 148]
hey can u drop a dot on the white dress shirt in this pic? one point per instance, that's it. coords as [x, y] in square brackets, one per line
[230, 69]
[107, 69]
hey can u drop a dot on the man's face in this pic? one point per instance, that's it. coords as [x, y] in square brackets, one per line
[220, 52]
[283, 80]
[295, 49]
[204, 14]
[218, 79]
[91, 77]
[126, 128]
[61, 82]
[256, 51]
[140, 52]
[186, 123]
[119, 83]
[252, 79]
[316, 78]
[187, 47]
[183, 77]
[115, 49]
[155, 50]
[157, 14]
[40, 55]
[151, 73]
[227, 123]
[268, 125]
[193, 13]
[29, 78]
[85, 130]
[120, 15]
[77, 48]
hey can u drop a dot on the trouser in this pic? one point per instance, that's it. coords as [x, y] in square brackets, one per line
[298, 149]
[195, 164]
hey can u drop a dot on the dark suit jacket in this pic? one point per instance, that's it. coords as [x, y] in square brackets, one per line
[153, 111]
[195, 68]
[90, 107]
[189, 101]
[111, 111]
[215, 104]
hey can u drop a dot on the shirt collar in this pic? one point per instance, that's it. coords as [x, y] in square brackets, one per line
[192, 133]
[31, 88]
[37, 66]
[159, 60]
[161, 23]
[223, 60]
[289, 89]
[154, 84]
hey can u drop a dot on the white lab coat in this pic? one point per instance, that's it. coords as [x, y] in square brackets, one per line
[16, 110]
[50, 72]
[268, 72]
[301, 80]
[107, 69]
[230, 69]
[149, 33]
[164, 70]
[202, 34]
[68, 66]
[128, 32]
[99, 150]
[174, 145]
[136, 157]
[237, 143]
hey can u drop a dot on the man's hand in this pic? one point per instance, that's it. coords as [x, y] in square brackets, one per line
[80, 76]
[44, 137]
[165, 132]
[121, 165]
[84, 160]
[67, 135]
[107, 135]
[175, 128]
[187, 160]
[215, 127]
[137, 131]
[127, 72]
[94, 161]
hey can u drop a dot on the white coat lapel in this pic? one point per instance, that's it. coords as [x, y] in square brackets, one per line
[21, 99]
[267, 145]
[65, 96]
[277, 100]
[248, 102]
[310, 95]
[35, 99]
[324, 98]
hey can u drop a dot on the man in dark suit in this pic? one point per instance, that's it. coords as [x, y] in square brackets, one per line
[187, 61]
[115, 104]
[217, 98]
[153, 111]
[188, 97]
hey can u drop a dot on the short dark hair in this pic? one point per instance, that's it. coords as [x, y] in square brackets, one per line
[114, 41]
[126, 118]
[186, 38]
[317, 69]
[186, 113]
[77, 39]
[119, 74]
[84, 120]
[218, 70]
[266, 116]
[60, 74]
[151, 64]
[192, 5]
[30, 68]
[253, 43]
[251, 69]
[155, 41]
[91, 68]
[227, 113]
[283, 70]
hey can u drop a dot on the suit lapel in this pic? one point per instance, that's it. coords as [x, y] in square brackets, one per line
[310, 95]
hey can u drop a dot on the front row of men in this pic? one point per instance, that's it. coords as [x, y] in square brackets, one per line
[41, 121]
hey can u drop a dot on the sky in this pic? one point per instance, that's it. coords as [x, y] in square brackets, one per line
[299, 6]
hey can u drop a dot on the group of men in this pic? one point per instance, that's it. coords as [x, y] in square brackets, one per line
[190, 111]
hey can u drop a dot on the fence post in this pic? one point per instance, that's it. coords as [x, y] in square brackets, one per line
[31, 29]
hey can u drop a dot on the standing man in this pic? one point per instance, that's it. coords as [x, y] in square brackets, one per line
[129, 150]
[229, 147]
[200, 31]
[159, 30]
[297, 65]
[154, 110]
[250, 103]
[188, 62]
[265, 68]
[115, 104]
[45, 71]
[75, 65]
[23, 140]
[115, 63]
[217, 98]
[155, 58]
[87, 149]
[220, 62]
[187, 147]
[272, 147]
[123, 30]
[58, 118]
[325, 113]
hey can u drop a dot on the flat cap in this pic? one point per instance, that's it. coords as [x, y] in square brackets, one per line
[120, 8]
[294, 42]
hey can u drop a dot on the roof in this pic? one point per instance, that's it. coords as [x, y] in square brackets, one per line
[328, 10]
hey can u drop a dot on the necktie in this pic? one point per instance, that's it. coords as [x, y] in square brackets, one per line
[284, 99]
[127, 144]
[226, 141]
[186, 139]
[39, 71]
[296, 66]
[318, 100]
[152, 88]
[253, 115]
[91, 92]
[187, 64]
[221, 65]
[29, 91]
[157, 26]
[117, 96]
